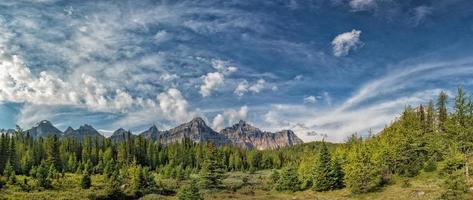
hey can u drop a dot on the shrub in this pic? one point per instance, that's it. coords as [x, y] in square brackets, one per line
[190, 192]
[85, 181]
[288, 180]
[455, 185]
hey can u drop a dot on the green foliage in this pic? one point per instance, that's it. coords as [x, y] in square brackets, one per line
[455, 185]
[42, 176]
[288, 180]
[85, 181]
[362, 173]
[212, 171]
[9, 173]
[323, 179]
[430, 165]
[190, 192]
[453, 162]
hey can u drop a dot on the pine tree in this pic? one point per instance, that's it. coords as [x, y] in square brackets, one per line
[52, 152]
[322, 172]
[190, 192]
[3, 152]
[362, 174]
[9, 173]
[442, 110]
[43, 176]
[455, 185]
[288, 180]
[211, 172]
[13, 158]
[336, 175]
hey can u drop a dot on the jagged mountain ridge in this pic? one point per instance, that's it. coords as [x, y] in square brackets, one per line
[245, 135]
[241, 134]
[43, 129]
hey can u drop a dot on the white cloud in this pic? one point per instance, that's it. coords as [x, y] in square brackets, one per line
[210, 82]
[229, 116]
[218, 122]
[162, 36]
[242, 88]
[173, 105]
[310, 99]
[360, 5]
[260, 85]
[343, 43]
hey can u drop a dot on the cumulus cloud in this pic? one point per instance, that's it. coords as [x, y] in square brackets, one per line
[218, 122]
[343, 43]
[244, 87]
[310, 99]
[229, 117]
[173, 105]
[213, 80]
[210, 82]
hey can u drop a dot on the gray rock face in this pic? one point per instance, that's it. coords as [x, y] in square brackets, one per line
[151, 134]
[244, 135]
[119, 135]
[83, 132]
[196, 130]
[43, 129]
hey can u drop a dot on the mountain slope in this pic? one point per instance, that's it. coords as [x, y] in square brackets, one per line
[43, 129]
[196, 130]
[83, 132]
[244, 135]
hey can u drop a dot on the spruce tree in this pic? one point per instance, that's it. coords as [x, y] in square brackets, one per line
[13, 158]
[288, 180]
[442, 110]
[52, 152]
[190, 192]
[322, 171]
[211, 172]
[362, 173]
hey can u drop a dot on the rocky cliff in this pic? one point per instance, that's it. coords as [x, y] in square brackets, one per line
[244, 135]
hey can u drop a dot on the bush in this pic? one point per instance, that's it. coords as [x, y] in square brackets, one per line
[85, 181]
[288, 180]
[190, 192]
[430, 165]
[451, 164]
[455, 185]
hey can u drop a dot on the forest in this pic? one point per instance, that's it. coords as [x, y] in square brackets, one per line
[434, 140]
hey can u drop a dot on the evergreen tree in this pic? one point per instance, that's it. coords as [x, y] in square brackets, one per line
[52, 152]
[455, 185]
[336, 175]
[9, 173]
[43, 176]
[442, 110]
[322, 172]
[190, 192]
[211, 172]
[288, 180]
[13, 158]
[362, 174]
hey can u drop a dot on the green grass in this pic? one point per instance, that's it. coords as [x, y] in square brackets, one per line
[424, 186]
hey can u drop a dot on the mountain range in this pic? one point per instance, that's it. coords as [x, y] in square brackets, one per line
[242, 134]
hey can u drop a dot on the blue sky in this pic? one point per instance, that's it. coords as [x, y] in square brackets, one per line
[323, 68]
